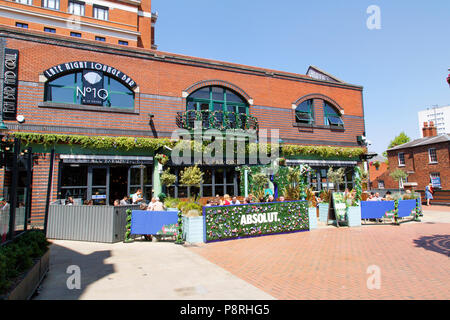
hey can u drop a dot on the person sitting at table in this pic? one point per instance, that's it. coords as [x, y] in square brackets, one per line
[235, 201]
[137, 197]
[158, 205]
[116, 203]
[151, 205]
[281, 199]
[226, 200]
[124, 201]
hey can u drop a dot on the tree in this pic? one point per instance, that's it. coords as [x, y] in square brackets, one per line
[398, 140]
[260, 180]
[398, 175]
[167, 178]
[191, 176]
[336, 176]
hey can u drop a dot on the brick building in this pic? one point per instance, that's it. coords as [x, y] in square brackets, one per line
[81, 86]
[423, 159]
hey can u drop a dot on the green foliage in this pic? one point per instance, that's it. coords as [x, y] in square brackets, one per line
[292, 188]
[358, 185]
[336, 176]
[161, 158]
[411, 196]
[325, 196]
[260, 180]
[311, 197]
[398, 140]
[398, 174]
[171, 202]
[167, 178]
[153, 144]
[17, 257]
[191, 176]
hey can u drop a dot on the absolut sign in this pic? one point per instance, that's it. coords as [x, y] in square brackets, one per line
[98, 68]
[10, 84]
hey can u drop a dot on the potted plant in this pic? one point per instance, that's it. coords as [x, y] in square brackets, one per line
[324, 205]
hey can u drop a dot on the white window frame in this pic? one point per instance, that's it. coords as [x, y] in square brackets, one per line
[28, 2]
[96, 9]
[400, 164]
[50, 4]
[380, 184]
[76, 4]
[430, 158]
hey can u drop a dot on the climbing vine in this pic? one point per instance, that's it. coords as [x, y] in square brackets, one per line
[128, 227]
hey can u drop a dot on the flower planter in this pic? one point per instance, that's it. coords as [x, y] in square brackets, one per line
[25, 289]
[323, 212]
[312, 213]
[354, 216]
[193, 229]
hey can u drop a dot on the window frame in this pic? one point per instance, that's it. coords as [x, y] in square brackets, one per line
[400, 164]
[22, 25]
[46, 29]
[27, 2]
[430, 156]
[123, 42]
[97, 7]
[327, 115]
[100, 38]
[75, 34]
[310, 113]
[44, 4]
[75, 2]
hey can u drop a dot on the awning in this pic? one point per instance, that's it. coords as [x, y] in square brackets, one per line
[322, 163]
[102, 159]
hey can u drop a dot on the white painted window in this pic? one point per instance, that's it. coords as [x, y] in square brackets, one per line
[100, 12]
[76, 7]
[380, 184]
[50, 4]
[432, 155]
[401, 159]
[30, 2]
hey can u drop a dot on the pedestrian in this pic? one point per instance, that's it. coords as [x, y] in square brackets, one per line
[429, 193]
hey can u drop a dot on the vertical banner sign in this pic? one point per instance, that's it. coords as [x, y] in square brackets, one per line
[338, 208]
[10, 81]
[93, 92]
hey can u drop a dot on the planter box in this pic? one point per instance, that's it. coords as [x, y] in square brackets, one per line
[193, 229]
[323, 212]
[354, 216]
[88, 223]
[25, 289]
[312, 212]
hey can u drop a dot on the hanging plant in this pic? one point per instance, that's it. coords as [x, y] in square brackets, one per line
[162, 158]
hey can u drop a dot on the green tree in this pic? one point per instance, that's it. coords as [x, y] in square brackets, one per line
[398, 175]
[398, 140]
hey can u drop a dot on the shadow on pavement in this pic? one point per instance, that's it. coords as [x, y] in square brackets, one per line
[62, 273]
[437, 243]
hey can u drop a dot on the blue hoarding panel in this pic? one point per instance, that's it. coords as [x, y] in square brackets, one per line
[150, 222]
[405, 207]
[375, 209]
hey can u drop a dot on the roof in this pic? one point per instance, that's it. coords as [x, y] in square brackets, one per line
[423, 141]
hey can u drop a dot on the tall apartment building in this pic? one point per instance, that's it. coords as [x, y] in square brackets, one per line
[440, 117]
[64, 85]
[122, 22]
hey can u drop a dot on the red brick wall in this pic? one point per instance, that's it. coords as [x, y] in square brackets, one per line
[417, 161]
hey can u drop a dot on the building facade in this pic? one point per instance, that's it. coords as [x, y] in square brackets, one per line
[440, 117]
[425, 160]
[106, 109]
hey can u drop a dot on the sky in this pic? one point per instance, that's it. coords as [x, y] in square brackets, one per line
[402, 66]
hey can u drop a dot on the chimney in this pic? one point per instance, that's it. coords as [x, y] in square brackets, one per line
[432, 130]
[425, 129]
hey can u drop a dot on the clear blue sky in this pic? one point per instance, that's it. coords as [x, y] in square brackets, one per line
[403, 66]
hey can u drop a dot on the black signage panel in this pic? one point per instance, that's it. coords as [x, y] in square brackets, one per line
[10, 84]
[63, 68]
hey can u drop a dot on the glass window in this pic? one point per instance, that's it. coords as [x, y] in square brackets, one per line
[332, 117]
[50, 4]
[75, 34]
[304, 112]
[70, 89]
[30, 2]
[74, 175]
[22, 25]
[100, 12]
[401, 159]
[51, 30]
[432, 155]
[202, 93]
[124, 43]
[100, 38]
[381, 184]
[76, 7]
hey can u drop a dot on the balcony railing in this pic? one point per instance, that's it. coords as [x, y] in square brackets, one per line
[216, 120]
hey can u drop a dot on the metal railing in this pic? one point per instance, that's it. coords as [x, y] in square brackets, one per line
[216, 120]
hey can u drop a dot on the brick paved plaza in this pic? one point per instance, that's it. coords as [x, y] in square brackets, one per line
[332, 263]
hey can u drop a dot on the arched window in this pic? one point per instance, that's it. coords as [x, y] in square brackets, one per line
[215, 98]
[304, 112]
[225, 104]
[332, 117]
[89, 88]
